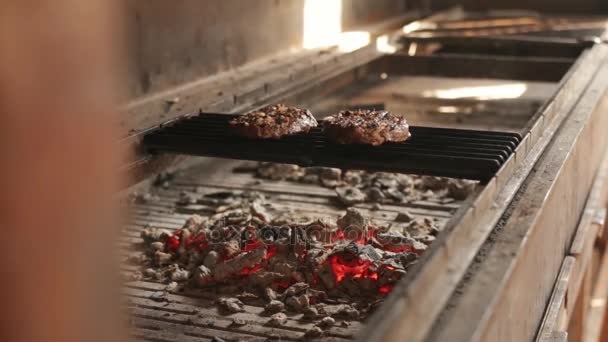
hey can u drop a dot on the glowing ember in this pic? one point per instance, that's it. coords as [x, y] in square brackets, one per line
[384, 290]
[357, 268]
[199, 242]
[172, 242]
[355, 264]
[250, 270]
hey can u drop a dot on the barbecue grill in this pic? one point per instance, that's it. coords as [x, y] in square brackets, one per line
[510, 235]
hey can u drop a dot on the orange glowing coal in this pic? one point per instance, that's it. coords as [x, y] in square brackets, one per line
[357, 268]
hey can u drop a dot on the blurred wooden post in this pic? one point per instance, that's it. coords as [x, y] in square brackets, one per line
[58, 174]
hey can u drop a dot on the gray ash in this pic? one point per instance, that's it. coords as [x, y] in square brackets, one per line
[354, 187]
[299, 267]
[248, 249]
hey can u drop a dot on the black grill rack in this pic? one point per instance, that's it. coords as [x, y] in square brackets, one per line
[430, 151]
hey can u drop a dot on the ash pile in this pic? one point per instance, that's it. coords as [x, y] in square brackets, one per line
[353, 187]
[332, 271]
[326, 270]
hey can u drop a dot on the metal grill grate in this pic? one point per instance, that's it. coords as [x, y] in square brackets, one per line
[430, 151]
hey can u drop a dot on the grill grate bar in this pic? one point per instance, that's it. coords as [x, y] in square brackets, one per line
[431, 151]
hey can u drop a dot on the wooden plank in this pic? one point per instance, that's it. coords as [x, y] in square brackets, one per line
[576, 326]
[557, 302]
[597, 310]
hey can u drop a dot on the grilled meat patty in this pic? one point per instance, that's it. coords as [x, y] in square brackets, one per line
[368, 127]
[273, 122]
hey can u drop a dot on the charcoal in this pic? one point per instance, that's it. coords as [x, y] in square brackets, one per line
[238, 322]
[389, 276]
[327, 276]
[152, 234]
[233, 266]
[279, 171]
[314, 332]
[420, 227]
[261, 212]
[407, 259]
[159, 296]
[180, 275]
[460, 189]
[330, 177]
[352, 217]
[203, 276]
[375, 194]
[184, 238]
[310, 312]
[172, 287]
[162, 259]
[232, 305]
[320, 230]
[186, 198]
[274, 306]
[270, 294]
[350, 195]
[433, 183]
[195, 258]
[157, 246]
[384, 180]
[247, 297]
[404, 217]
[327, 322]
[311, 179]
[317, 294]
[194, 223]
[230, 248]
[211, 259]
[296, 289]
[428, 195]
[278, 319]
[150, 273]
[338, 310]
[394, 194]
[426, 239]
[298, 303]
[354, 250]
[226, 252]
[349, 312]
[352, 178]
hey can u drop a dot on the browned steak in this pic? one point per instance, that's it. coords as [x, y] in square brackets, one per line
[366, 127]
[273, 122]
